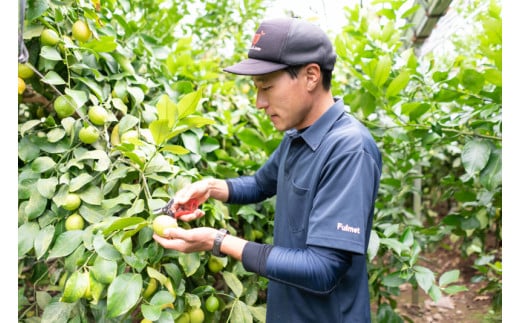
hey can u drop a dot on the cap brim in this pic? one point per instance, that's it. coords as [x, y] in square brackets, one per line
[254, 67]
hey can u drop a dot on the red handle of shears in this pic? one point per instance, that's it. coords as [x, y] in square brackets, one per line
[187, 208]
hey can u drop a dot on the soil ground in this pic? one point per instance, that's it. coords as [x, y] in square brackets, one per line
[465, 307]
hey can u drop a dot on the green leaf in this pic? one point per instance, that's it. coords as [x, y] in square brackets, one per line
[136, 93]
[251, 137]
[393, 280]
[160, 131]
[455, 289]
[415, 109]
[435, 293]
[398, 84]
[105, 249]
[473, 80]
[162, 297]
[176, 149]
[393, 244]
[191, 141]
[92, 195]
[188, 104]
[42, 164]
[92, 85]
[425, 277]
[258, 312]
[407, 238]
[50, 53]
[234, 283]
[43, 240]
[153, 273]
[373, 245]
[65, 244]
[78, 182]
[27, 232]
[167, 110]
[103, 161]
[36, 205]
[493, 76]
[53, 78]
[102, 44]
[56, 135]
[47, 186]
[240, 313]
[491, 175]
[104, 270]
[189, 262]
[151, 312]
[475, 155]
[75, 287]
[57, 312]
[123, 294]
[449, 277]
[382, 71]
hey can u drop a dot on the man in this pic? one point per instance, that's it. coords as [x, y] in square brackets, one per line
[325, 175]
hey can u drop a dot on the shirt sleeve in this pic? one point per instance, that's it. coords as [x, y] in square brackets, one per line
[314, 269]
[343, 205]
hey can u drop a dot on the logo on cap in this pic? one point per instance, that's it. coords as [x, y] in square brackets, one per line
[256, 39]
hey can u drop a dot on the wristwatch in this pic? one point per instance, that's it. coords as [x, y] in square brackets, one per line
[218, 241]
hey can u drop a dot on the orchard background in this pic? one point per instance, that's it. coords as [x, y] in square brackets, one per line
[167, 115]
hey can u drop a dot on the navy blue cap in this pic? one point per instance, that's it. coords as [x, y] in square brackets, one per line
[282, 42]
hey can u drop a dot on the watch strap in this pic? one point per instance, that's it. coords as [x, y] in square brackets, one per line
[218, 242]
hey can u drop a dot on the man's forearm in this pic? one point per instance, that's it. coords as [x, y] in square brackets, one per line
[218, 189]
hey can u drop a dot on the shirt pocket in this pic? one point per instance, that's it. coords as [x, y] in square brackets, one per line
[298, 207]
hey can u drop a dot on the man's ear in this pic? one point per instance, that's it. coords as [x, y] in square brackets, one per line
[312, 76]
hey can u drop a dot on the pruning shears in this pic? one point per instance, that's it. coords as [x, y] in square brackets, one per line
[187, 208]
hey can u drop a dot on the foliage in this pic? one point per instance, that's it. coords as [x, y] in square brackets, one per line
[174, 117]
[439, 128]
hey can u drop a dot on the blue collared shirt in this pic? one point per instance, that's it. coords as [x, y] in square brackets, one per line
[325, 180]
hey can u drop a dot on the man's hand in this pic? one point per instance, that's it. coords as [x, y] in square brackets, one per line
[193, 240]
[191, 195]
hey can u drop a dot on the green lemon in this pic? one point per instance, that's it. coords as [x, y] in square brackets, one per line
[49, 37]
[215, 265]
[184, 318]
[81, 31]
[97, 115]
[21, 85]
[163, 222]
[196, 315]
[74, 222]
[89, 134]
[25, 71]
[72, 202]
[212, 303]
[64, 106]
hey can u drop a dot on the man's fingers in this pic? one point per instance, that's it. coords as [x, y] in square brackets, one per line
[198, 213]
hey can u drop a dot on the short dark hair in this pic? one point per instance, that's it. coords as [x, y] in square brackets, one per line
[293, 71]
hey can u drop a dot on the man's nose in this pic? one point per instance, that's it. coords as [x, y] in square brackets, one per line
[261, 100]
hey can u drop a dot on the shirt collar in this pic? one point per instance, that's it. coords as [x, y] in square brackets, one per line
[314, 134]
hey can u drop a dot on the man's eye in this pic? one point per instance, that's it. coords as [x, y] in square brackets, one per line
[265, 88]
